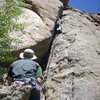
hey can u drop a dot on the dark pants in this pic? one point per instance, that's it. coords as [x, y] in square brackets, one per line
[35, 94]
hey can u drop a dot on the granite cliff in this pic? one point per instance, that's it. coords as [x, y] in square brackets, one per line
[73, 67]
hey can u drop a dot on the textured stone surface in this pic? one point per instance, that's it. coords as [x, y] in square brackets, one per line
[35, 30]
[48, 10]
[39, 18]
[73, 71]
[13, 93]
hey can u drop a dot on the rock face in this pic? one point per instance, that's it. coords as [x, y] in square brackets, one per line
[13, 93]
[39, 18]
[73, 71]
[48, 10]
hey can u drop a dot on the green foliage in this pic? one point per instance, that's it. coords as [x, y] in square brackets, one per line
[10, 11]
[3, 70]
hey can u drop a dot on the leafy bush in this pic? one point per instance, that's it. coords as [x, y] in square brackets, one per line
[10, 11]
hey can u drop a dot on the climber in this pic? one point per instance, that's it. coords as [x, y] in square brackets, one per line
[58, 26]
[25, 72]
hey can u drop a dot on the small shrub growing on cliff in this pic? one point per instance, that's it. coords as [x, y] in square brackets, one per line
[9, 11]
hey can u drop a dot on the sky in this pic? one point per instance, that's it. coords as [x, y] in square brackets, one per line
[91, 6]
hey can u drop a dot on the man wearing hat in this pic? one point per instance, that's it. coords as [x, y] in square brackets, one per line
[25, 72]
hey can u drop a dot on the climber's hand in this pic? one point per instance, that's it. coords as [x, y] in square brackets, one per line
[39, 80]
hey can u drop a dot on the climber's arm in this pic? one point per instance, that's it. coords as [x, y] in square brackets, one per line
[39, 75]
